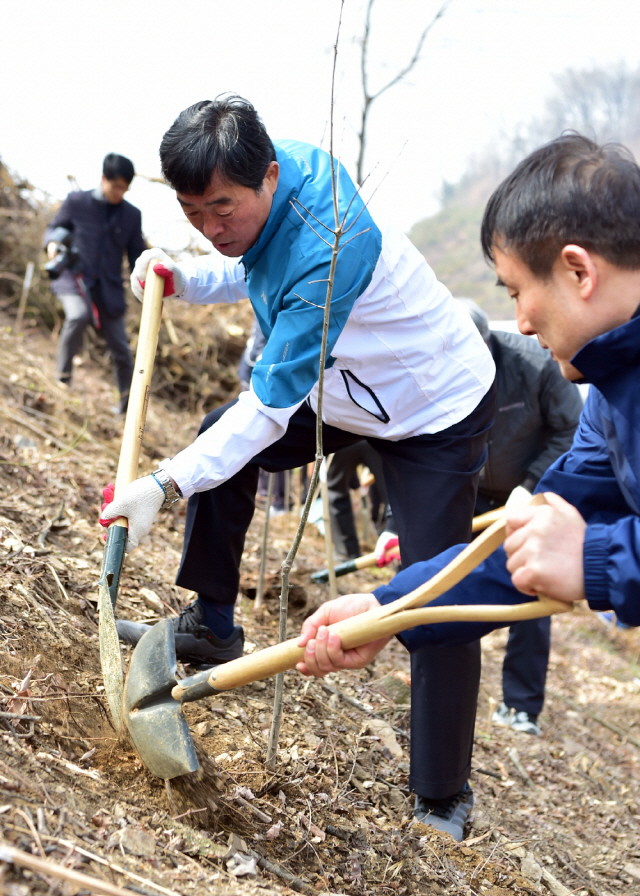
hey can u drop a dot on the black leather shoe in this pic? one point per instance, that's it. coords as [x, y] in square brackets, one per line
[195, 643]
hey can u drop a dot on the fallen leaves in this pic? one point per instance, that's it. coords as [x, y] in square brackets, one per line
[335, 813]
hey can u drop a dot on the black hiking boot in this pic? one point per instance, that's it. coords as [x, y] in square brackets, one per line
[195, 642]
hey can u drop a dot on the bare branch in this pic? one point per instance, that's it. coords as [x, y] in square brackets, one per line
[306, 301]
[352, 238]
[416, 55]
[326, 242]
[368, 98]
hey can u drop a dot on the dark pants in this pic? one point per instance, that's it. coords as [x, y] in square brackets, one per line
[112, 329]
[431, 483]
[524, 669]
[279, 488]
[339, 482]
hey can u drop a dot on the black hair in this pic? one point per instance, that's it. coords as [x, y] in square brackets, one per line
[224, 135]
[570, 190]
[115, 166]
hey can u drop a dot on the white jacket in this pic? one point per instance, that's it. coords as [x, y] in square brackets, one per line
[402, 359]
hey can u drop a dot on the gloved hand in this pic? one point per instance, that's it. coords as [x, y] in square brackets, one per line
[386, 549]
[518, 497]
[139, 502]
[175, 282]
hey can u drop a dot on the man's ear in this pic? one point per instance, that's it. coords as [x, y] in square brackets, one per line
[271, 177]
[578, 263]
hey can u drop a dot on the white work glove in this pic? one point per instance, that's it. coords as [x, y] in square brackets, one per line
[139, 502]
[518, 497]
[175, 282]
[386, 549]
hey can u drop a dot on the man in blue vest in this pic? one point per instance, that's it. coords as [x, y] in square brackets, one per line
[405, 369]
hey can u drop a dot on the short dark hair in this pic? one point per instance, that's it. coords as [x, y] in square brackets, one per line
[224, 135]
[115, 166]
[570, 190]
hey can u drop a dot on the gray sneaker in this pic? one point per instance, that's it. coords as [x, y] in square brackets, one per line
[195, 643]
[519, 720]
[448, 816]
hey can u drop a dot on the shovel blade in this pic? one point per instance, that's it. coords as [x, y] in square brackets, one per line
[158, 729]
[110, 657]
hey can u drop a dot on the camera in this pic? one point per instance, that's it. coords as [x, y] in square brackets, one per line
[67, 255]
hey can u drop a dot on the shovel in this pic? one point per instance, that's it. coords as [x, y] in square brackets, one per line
[481, 522]
[110, 657]
[153, 697]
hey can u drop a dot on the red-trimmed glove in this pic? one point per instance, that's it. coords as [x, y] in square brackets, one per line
[175, 282]
[387, 549]
[139, 502]
[107, 493]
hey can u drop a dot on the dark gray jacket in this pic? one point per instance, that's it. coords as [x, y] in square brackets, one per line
[102, 235]
[537, 413]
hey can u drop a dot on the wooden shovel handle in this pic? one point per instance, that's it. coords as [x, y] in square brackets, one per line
[390, 619]
[467, 560]
[479, 523]
[369, 627]
[140, 383]
[483, 520]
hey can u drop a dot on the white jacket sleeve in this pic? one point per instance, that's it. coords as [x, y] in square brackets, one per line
[212, 279]
[217, 454]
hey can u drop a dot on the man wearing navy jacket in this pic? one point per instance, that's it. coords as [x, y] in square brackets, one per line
[100, 226]
[563, 232]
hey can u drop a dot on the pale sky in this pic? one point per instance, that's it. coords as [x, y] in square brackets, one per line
[81, 78]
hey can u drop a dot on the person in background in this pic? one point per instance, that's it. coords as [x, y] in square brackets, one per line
[342, 478]
[85, 245]
[537, 414]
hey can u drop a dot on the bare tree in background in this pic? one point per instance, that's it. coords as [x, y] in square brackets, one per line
[600, 103]
[369, 98]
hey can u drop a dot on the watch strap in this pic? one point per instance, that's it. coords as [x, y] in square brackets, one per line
[171, 495]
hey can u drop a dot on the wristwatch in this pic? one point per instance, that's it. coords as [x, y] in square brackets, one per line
[171, 495]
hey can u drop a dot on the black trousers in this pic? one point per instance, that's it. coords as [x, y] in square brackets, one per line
[339, 481]
[526, 658]
[524, 670]
[112, 330]
[431, 482]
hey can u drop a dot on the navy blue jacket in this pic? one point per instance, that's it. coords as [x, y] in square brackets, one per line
[599, 475]
[102, 234]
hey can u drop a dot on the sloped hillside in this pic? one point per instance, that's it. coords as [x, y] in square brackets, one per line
[79, 812]
[450, 241]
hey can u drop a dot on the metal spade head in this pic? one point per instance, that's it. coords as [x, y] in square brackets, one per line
[158, 729]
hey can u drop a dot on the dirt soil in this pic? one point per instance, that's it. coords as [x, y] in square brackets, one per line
[555, 814]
